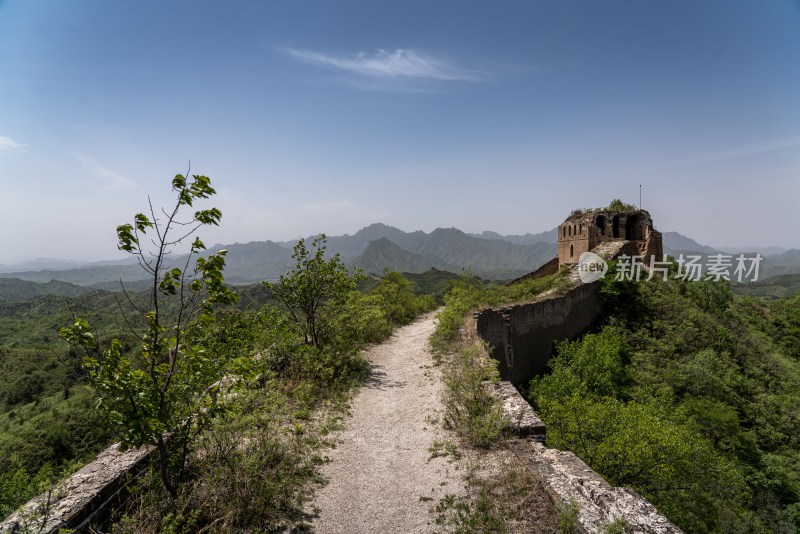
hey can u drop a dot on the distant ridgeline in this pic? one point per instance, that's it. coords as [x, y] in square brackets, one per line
[489, 255]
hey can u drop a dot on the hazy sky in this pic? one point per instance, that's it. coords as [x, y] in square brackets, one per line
[328, 116]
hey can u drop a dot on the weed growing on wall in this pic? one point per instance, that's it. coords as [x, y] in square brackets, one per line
[470, 408]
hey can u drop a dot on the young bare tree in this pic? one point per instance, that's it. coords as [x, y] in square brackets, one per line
[165, 397]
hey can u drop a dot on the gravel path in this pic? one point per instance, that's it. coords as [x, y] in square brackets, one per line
[382, 465]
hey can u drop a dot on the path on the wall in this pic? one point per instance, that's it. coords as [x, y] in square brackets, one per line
[382, 465]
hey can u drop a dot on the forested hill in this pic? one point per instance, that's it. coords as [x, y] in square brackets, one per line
[16, 290]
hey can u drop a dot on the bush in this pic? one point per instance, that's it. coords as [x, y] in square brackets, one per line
[656, 451]
[464, 294]
[596, 366]
[18, 485]
[470, 408]
[398, 301]
[360, 319]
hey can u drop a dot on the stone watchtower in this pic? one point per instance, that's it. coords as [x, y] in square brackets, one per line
[583, 232]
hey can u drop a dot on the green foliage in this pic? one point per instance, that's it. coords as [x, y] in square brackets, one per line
[470, 408]
[568, 522]
[596, 366]
[618, 526]
[658, 452]
[35, 323]
[710, 295]
[357, 320]
[432, 282]
[618, 205]
[312, 284]
[31, 375]
[464, 294]
[164, 397]
[688, 396]
[785, 322]
[371, 317]
[614, 205]
[399, 302]
[54, 431]
[528, 290]
[774, 287]
[18, 486]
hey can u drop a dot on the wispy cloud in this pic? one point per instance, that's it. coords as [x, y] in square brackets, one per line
[6, 143]
[382, 66]
[111, 180]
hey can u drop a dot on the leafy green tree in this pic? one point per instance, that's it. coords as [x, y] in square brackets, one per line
[596, 365]
[398, 299]
[17, 485]
[312, 284]
[653, 448]
[166, 396]
[786, 317]
[711, 295]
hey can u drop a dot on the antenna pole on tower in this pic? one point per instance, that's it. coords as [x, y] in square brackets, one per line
[640, 196]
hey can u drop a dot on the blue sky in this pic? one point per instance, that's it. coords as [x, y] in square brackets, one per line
[328, 116]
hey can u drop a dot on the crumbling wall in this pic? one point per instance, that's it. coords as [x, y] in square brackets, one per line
[85, 498]
[569, 481]
[522, 337]
[551, 267]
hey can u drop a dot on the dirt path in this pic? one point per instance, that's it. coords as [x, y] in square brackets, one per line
[382, 466]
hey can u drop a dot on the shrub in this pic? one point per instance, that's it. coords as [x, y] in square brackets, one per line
[470, 407]
[658, 452]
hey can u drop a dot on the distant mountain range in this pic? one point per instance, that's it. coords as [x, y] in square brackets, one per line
[373, 248]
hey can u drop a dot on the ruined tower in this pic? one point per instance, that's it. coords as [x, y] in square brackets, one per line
[582, 232]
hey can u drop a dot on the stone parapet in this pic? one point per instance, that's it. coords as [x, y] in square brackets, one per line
[568, 479]
[85, 498]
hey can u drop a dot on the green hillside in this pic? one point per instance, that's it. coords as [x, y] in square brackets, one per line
[34, 323]
[778, 286]
[82, 276]
[16, 290]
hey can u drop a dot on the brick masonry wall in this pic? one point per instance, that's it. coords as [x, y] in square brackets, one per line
[523, 337]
